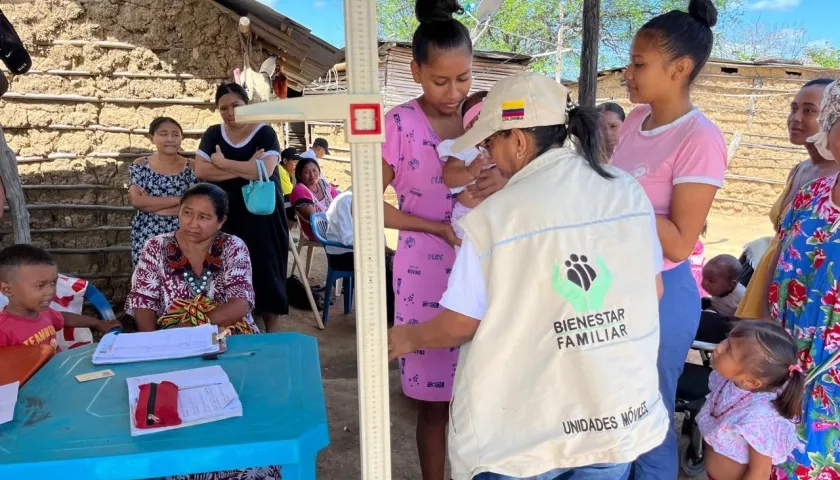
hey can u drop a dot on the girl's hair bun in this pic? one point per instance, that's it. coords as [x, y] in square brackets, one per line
[703, 11]
[435, 11]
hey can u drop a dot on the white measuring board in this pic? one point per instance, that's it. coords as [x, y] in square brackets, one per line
[361, 110]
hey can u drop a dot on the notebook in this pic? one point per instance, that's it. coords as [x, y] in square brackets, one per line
[159, 345]
[204, 395]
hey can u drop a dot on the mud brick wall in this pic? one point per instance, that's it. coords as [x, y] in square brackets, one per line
[752, 100]
[102, 70]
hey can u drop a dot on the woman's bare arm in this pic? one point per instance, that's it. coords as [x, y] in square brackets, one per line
[398, 220]
[247, 170]
[690, 205]
[169, 212]
[208, 172]
[147, 203]
[306, 211]
[229, 313]
[146, 320]
[771, 272]
[456, 173]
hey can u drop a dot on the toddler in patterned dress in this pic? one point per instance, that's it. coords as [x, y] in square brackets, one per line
[756, 395]
[462, 168]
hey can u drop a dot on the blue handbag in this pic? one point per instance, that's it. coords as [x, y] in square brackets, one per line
[260, 195]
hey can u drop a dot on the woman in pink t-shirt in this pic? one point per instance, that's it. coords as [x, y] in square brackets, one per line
[442, 66]
[679, 157]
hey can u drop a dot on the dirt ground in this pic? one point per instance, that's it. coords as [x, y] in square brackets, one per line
[337, 344]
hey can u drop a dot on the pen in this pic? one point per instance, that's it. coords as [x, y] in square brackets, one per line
[217, 356]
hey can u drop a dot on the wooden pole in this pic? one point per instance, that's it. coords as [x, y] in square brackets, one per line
[589, 52]
[14, 192]
[244, 25]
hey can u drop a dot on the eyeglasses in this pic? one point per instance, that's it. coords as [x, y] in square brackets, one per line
[487, 141]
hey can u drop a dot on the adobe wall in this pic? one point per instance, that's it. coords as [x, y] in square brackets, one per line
[160, 59]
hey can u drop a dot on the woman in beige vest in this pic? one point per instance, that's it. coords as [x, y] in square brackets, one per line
[553, 308]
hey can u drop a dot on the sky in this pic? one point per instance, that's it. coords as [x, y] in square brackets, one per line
[819, 17]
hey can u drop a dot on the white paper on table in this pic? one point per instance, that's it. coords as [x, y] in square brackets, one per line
[8, 400]
[204, 395]
[159, 345]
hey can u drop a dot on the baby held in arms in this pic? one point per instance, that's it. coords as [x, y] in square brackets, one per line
[462, 168]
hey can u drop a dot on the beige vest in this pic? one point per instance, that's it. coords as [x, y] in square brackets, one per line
[562, 370]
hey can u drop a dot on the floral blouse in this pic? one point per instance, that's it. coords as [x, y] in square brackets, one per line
[162, 274]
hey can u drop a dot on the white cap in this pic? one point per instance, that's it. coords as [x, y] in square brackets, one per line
[524, 100]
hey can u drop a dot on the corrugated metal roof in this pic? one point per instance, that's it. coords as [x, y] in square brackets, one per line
[307, 57]
[397, 85]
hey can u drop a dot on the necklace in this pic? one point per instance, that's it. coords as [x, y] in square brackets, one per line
[198, 284]
[316, 191]
[713, 412]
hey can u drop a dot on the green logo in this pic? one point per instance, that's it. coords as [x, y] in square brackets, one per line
[581, 285]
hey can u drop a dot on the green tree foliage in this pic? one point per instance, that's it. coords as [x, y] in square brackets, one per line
[824, 55]
[531, 27]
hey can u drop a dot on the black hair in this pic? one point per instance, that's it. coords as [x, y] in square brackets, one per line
[728, 264]
[612, 107]
[472, 101]
[215, 194]
[823, 82]
[687, 34]
[233, 88]
[302, 163]
[23, 254]
[773, 359]
[438, 29]
[583, 124]
[157, 122]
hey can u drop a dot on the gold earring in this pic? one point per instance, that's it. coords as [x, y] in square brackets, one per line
[519, 155]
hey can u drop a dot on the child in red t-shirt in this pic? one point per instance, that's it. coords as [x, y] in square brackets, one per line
[27, 277]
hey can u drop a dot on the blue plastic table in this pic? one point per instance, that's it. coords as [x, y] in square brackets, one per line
[66, 429]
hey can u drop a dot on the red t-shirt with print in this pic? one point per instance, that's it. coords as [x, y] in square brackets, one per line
[17, 330]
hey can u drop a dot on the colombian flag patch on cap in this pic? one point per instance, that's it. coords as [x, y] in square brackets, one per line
[513, 110]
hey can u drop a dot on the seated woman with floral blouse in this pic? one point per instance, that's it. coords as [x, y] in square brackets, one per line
[196, 266]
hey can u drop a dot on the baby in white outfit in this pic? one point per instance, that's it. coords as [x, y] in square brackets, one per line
[462, 168]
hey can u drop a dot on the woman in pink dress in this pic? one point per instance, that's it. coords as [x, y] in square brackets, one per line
[442, 66]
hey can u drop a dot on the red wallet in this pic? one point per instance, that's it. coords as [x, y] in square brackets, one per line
[157, 406]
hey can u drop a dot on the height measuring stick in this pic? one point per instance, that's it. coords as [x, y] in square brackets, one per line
[361, 111]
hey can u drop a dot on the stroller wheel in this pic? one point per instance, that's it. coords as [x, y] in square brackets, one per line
[690, 462]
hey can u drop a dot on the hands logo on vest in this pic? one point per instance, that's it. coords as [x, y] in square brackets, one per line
[586, 289]
[582, 286]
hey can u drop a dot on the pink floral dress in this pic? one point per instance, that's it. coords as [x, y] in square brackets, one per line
[423, 261]
[697, 260]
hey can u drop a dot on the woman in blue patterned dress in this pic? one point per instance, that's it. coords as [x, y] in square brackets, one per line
[156, 184]
[805, 297]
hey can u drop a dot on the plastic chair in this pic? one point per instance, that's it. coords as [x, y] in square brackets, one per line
[319, 224]
[103, 308]
[304, 242]
[98, 301]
